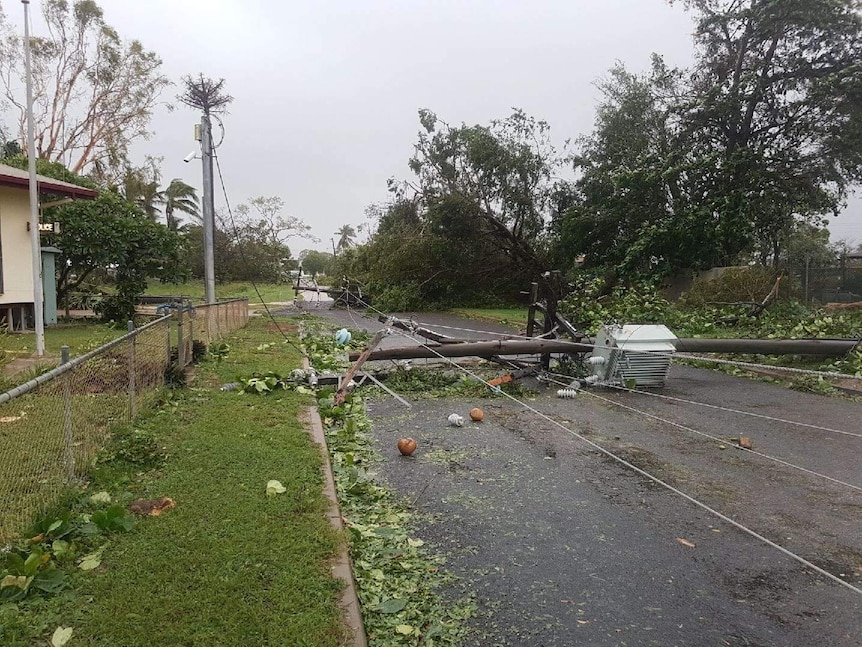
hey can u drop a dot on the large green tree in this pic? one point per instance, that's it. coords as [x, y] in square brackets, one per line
[470, 226]
[693, 168]
[315, 262]
[632, 210]
[777, 99]
[110, 233]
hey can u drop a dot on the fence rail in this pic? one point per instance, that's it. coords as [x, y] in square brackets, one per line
[53, 426]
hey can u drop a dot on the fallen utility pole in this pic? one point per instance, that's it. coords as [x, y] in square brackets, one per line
[822, 347]
[481, 349]
[361, 358]
[411, 327]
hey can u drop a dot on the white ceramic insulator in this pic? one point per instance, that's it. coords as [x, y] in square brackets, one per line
[592, 379]
[567, 393]
[596, 361]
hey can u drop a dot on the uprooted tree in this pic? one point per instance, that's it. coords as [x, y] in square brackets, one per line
[470, 226]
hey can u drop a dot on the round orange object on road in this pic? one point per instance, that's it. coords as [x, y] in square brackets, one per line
[476, 414]
[406, 446]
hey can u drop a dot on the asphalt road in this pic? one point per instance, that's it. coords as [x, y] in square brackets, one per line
[563, 546]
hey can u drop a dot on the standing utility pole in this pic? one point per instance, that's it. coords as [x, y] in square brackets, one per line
[36, 248]
[208, 96]
[208, 207]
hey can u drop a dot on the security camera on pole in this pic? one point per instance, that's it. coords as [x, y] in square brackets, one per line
[206, 95]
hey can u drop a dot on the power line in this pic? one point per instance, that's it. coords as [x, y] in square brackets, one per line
[727, 409]
[245, 258]
[637, 469]
[711, 437]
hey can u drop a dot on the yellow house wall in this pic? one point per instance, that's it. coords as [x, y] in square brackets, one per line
[15, 241]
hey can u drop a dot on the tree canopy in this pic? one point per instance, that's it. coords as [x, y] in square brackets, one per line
[700, 167]
[94, 92]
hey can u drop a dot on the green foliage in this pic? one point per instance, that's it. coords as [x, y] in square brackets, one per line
[398, 579]
[689, 169]
[262, 383]
[118, 307]
[851, 364]
[133, 446]
[50, 169]
[115, 519]
[219, 350]
[27, 570]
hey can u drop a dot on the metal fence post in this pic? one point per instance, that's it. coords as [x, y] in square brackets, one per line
[132, 371]
[168, 344]
[181, 347]
[68, 446]
[192, 334]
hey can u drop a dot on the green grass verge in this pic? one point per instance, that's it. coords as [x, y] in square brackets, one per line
[229, 565]
[505, 316]
[271, 292]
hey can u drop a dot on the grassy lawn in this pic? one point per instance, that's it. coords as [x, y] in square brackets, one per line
[507, 316]
[80, 337]
[270, 292]
[229, 565]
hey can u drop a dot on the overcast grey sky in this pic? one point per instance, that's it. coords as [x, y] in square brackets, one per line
[326, 93]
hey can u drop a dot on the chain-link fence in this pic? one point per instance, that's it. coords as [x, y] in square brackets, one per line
[52, 427]
[213, 321]
[840, 283]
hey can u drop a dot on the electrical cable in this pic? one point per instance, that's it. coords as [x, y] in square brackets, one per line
[245, 258]
[640, 471]
[675, 356]
[710, 436]
[721, 408]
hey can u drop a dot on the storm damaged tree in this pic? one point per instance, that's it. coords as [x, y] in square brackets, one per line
[471, 224]
[777, 97]
[94, 93]
[709, 166]
[495, 180]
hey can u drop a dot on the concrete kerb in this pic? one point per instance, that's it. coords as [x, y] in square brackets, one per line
[341, 568]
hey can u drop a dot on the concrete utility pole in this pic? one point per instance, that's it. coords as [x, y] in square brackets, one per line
[206, 95]
[36, 247]
[208, 207]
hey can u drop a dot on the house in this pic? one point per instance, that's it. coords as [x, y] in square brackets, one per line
[16, 257]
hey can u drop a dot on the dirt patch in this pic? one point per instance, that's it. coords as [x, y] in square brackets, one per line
[282, 327]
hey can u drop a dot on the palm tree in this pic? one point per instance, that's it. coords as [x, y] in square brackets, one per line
[142, 188]
[346, 237]
[179, 196]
